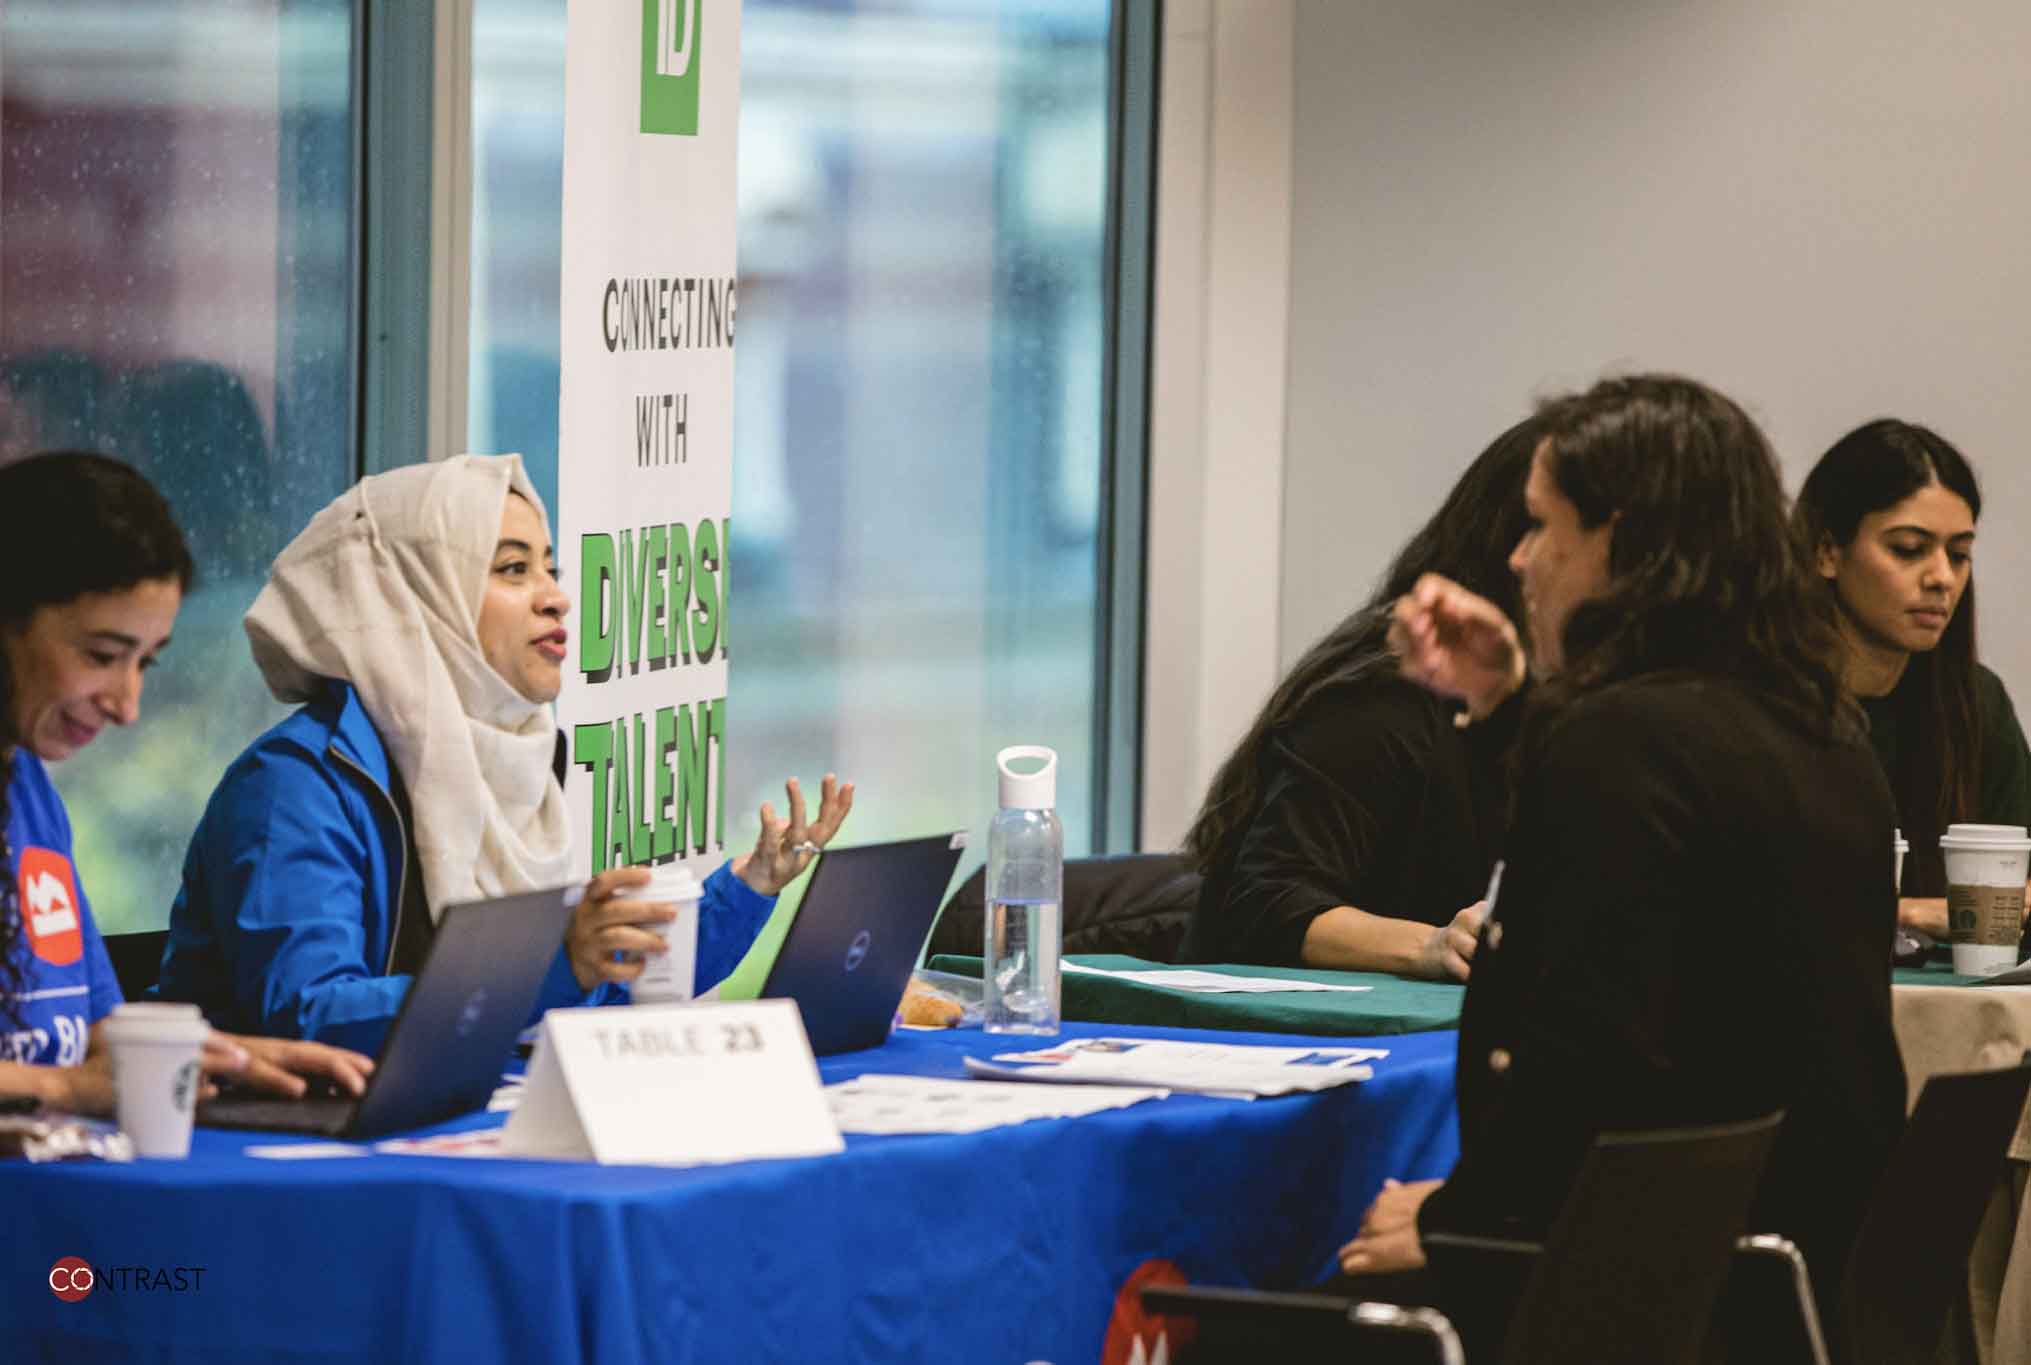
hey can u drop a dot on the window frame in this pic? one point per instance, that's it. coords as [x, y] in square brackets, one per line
[412, 147]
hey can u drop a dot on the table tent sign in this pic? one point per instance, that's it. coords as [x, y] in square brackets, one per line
[676, 1085]
[645, 424]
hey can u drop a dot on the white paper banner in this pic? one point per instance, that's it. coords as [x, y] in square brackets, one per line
[645, 419]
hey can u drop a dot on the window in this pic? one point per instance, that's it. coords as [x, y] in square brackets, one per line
[921, 384]
[175, 269]
[921, 472]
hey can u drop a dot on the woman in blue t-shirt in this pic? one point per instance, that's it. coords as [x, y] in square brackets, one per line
[92, 571]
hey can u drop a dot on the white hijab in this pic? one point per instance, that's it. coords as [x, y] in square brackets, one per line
[382, 590]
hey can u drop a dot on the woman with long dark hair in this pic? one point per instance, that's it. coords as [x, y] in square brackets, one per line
[92, 572]
[1354, 824]
[1691, 915]
[1889, 516]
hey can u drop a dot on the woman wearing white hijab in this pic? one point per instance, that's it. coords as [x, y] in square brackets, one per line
[419, 621]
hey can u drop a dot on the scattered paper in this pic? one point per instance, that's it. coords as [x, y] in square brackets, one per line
[302, 1151]
[486, 1142]
[882, 1104]
[1209, 983]
[1239, 1070]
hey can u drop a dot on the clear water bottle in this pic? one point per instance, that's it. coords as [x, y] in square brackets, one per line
[1025, 882]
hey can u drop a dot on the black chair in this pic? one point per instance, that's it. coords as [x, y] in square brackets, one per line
[137, 960]
[1629, 1271]
[1768, 1312]
[1909, 1264]
[1246, 1325]
[1132, 903]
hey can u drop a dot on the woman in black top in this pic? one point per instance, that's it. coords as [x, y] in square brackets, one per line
[1889, 513]
[1355, 823]
[1691, 777]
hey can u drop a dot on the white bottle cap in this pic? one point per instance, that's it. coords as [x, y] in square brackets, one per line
[1036, 790]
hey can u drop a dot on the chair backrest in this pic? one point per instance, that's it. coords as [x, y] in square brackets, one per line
[1212, 1326]
[137, 960]
[1132, 903]
[1910, 1257]
[1638, 1253]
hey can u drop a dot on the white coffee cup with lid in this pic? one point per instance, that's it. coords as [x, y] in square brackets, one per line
[1986, 869]
[156, 1073]
[667, 978]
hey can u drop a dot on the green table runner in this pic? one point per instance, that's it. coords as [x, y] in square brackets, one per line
[1931, 974]
[1393, 1006]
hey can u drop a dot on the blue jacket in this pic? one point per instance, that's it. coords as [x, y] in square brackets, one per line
[285, 923]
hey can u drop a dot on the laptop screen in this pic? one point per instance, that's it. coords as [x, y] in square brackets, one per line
[857, 935]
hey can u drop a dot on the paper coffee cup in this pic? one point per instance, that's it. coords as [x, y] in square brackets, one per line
[1900, 846]
[156, 1073]
[1986, 867]
[667, 979]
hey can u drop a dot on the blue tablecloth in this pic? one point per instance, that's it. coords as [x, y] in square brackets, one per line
[1003, 1246]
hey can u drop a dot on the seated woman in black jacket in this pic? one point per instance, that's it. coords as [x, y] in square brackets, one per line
[1691, 777]
[1355, 824]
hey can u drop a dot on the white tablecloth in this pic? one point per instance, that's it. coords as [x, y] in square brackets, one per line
[1968, 1028]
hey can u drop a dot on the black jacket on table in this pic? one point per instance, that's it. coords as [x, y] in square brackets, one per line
[1371, 797]
[1690, 929]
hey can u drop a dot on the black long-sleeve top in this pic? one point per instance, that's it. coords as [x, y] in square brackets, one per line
[1371, 797]
[1690, 929]
[2004, 797]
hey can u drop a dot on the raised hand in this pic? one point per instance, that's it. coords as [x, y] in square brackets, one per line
[1456, 644]
[786, 847]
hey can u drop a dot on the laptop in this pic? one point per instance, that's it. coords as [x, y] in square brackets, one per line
[857, 936]
[443, 1057]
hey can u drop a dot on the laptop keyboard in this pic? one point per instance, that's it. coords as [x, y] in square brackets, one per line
[324, 1115]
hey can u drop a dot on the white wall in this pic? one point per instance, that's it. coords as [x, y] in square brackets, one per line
[1822, 207]
[1219, 328]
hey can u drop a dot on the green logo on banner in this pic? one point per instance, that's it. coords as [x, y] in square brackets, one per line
[671, 55]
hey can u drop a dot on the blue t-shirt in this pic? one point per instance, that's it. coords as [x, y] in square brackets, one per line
[67, 980]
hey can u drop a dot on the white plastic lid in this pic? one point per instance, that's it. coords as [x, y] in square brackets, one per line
[1036, 790]
[1984, 836]
[156, 1022]
[155, 1009]
[670, 882]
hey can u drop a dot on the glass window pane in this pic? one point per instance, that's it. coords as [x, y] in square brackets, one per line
[174, 275]
[918, 415]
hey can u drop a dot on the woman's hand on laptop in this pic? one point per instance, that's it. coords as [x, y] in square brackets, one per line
[786, 847]
[607, 940]
[83, 1089]
[282, 1066]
